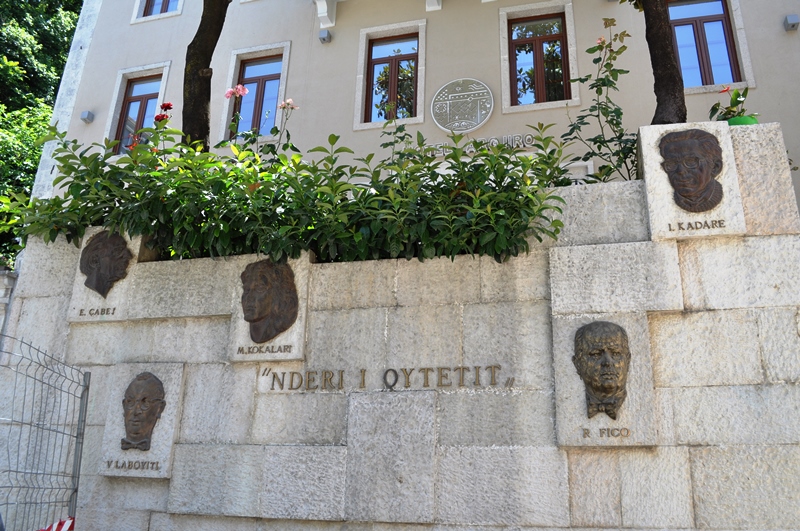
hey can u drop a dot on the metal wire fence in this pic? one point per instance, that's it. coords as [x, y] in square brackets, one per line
[42, 420]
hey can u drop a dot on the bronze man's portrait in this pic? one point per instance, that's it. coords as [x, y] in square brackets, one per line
[602, 358]
[693, 161]
[142, 406]
[105, 260]
[269, 299]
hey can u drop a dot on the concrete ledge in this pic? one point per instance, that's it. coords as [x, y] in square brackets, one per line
[615, 278]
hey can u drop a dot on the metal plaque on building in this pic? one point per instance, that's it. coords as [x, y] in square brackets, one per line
[462, 105]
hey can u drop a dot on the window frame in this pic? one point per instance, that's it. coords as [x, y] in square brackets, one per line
[379, 32]
[546, 8]
[258, 105]
[277, 49]
[394, 73]
[701, 43]
[121, 87]
[143, 99]
[540, 87]
[141, 7]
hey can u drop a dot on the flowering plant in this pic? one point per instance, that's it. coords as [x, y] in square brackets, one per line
[736, 107]
[166, 106]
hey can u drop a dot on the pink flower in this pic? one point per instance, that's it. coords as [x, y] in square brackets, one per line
[166, 106]
[601, 40]
[237, 91]
[288, 104]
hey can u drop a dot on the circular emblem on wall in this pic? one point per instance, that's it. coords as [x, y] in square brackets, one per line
[462, 105]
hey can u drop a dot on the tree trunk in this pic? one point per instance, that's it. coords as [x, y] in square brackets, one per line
[670, 100]
[197, 73]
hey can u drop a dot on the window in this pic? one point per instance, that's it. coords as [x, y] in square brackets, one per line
[539, 71]
[138, 109]
[157, 7]
[392, 78]
[257, 109]
[704, 42]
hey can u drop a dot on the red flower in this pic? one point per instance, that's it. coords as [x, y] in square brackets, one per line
[166, 106]
[725, 90]
[160, 117]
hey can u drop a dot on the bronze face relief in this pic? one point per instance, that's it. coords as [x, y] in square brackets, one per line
[602, 358]
[105, 260]
[142, 406]
[269, 299]
[693, 161]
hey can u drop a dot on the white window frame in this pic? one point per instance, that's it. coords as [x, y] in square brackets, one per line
[282, 49]
[379, 32]
[535, 10]
[138, 12]
[742, 52]
[121, 85]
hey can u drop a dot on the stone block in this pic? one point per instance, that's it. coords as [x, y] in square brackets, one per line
[438, 281]
[156, 462]
[656, 488]
[668, 219]
[194, 340]
[615, 278]
[665, 417]
[141, 494]
[41, 321]
[705, 348]
[368, 284]
[594, 488]
[390, 457]
[179, 522]
[217, 480]
[349, 340]
[515, 336]
[746, 487]
[740, 273]
[424, 336]
[99, 392]
[502, 486]
[300, 418]
[305, 483]
[94, 519]
[635, 424]
[219, 403]
[765, 180]
[288, 344]
[612, 212]
[496, 418]
[737, 415]
[183, 288]
[87, 304]
[520, 278]
[46, 270]
[779, 332]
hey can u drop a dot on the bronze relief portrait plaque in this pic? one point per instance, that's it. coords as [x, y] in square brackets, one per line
[269, 299]
[693, 163]
[602, 358]
[104, 261]
[142, 407]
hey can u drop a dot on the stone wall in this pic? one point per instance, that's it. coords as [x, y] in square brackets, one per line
[485, 424]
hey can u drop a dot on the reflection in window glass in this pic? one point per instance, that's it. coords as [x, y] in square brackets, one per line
[694, 9]
[156, 7]
[718, 52]
[526, 74]
[687, 55]
[553, 70]
[538, 28]
[139, 88]
[138, 111]
[384, 49]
